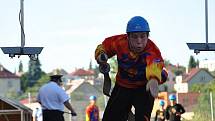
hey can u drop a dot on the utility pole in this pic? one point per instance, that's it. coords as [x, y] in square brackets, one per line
[32, 52]
[21, 19]
[197, 47]
[211, 101]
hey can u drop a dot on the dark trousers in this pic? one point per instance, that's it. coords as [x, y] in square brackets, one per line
[52, 115]
[121, 101]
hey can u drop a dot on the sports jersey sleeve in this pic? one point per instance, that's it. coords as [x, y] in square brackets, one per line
[108, 46]
[155, 65]
[87, 111]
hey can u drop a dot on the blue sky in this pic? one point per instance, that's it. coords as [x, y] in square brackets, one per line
[69, 30]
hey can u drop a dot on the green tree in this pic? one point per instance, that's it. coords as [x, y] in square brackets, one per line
[34, 89]
[202, 109]
[90, 65]
[192, 63]
[20, 67]
[34, 71]
[196, 87]
[24, 82]
[197, 63]
[179, 71]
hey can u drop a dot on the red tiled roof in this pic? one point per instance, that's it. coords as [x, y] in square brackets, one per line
[82, 72]
[190, 75]
[26, 100]
[4, 73]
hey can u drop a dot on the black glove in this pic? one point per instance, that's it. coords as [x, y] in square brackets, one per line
[73, 113]
[104, 68]
[102, 58]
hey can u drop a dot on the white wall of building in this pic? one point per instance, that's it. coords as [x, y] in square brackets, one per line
[9, 85]
[208, 64]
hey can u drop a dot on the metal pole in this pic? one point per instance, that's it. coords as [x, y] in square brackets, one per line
[70, 118]
[29, 97]
[211, 101]
[22, 23]
[206, 21]
[177, 97]
[22, 115]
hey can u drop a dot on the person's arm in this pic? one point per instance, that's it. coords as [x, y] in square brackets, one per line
[98, 111]
[155, 72]
[69, 106]
[182, 110]
[167, 113]
[108, 47]
[155, 64]
[154, 68]
[87, 112]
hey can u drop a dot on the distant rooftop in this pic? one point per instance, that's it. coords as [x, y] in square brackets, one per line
[4, 73]
[82, 72]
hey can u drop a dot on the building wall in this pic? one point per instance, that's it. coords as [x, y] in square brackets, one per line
[9, 85]
[208, 64]
[201, 77]
[188, 100]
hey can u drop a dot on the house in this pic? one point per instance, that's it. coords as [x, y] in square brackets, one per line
[207, 64]
[195, 75]
[12, 110]
[10, 83]
[80, 99]
[84, 74]
[87, 75]
[183, 83]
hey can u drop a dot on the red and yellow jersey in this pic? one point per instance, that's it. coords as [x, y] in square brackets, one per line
[134, 70]
[92, 113]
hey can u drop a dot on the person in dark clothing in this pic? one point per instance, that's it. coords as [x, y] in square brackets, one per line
[174, 110]
[160, 112]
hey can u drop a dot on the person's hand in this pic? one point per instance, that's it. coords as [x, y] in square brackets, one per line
[152, 86]
[178, 114]
[104, 68]
[73, 113]
[102, 58]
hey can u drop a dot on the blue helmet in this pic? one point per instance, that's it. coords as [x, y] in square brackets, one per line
[161, 103]
[137, 24]
[172, 97]
[92, 97]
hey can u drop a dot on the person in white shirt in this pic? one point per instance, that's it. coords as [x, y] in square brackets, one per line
[53, 99]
